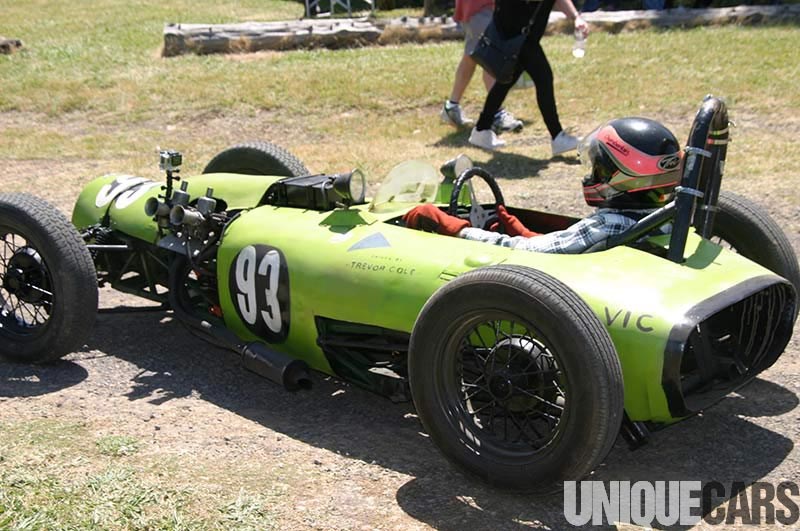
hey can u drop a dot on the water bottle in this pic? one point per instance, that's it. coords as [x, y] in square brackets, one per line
[579, 47]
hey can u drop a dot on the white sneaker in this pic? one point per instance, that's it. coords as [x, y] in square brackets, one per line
[486, 139]
[453, 115]
[563, 143]
[505, 121]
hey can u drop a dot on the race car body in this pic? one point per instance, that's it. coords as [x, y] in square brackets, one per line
[356, 266]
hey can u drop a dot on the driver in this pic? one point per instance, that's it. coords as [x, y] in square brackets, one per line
[633, 167]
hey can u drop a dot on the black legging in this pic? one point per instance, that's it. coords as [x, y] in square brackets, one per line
[532, 60]
[511, 16]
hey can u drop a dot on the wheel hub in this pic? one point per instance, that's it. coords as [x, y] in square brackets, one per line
[515, 364]
[500, 386]
[24, 274]
[511, 387]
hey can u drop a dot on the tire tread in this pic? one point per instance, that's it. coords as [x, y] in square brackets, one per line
[45, 223]
[766, 245]
[289, 164]
[531, 282]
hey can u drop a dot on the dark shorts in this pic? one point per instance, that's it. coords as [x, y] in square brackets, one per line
[473, 29]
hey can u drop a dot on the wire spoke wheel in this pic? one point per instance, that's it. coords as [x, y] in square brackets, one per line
[510, 385]
[48, 283]
[515, 378]
[26, 296]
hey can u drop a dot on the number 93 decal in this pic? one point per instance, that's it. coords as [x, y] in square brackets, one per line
[259, 286]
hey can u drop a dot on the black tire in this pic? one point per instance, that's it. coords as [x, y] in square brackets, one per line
[48, 283]
[564, 358]
[750, 231]
[257, 158]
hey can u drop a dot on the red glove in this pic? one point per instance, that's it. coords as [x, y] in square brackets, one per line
[512, 225]
[429, 218]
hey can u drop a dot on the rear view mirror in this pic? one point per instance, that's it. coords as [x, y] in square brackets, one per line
[455, 167]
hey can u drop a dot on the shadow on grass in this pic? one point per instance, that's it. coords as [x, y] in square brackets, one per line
[504, 164]
[359, 425]
[515, 166]
[21, 380]
[457, 138]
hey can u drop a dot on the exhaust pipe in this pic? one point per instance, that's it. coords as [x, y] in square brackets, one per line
[276, 366]
[291, 373]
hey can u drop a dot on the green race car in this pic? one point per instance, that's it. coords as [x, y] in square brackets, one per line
[524, 367]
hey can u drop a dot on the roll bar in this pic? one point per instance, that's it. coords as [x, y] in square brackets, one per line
[702, 175]
[695, 202]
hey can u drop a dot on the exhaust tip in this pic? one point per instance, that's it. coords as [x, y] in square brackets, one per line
[292, 374]
[296, 377]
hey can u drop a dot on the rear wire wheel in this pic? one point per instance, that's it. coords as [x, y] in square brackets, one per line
[257, 158]
[745, 227]
[48, 283]
[515, 378]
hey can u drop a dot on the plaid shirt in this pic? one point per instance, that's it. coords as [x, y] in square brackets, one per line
[598, 227]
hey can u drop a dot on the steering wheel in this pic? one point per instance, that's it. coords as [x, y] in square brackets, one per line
[479, 217]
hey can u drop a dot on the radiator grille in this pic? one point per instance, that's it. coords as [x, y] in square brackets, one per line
[731, 346]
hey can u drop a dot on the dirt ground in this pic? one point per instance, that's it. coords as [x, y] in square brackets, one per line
[337, 457]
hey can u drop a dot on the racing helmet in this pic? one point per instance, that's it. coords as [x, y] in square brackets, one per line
[632, 163]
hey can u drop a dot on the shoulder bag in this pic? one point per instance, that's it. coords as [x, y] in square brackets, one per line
[497, 54]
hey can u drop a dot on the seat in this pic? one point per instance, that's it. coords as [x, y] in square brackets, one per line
[314, 7]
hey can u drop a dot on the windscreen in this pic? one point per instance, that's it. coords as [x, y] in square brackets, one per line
[412, 181]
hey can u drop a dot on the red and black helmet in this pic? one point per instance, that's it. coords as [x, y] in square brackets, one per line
[633, 163]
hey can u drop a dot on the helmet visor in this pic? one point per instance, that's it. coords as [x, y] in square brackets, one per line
[586, 148]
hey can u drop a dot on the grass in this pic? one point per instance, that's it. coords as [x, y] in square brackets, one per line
[116, 73]
[112, 498]
[90, 93]
[108, 77]
[52, 477]
[111, 81]
[247, 511]
[117, 445]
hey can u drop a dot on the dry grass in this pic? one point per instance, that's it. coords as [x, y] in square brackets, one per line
[53, 477]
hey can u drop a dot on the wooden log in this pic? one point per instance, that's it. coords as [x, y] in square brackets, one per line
[616, 21]
[419, 30]
[252, 37]
[338, 33]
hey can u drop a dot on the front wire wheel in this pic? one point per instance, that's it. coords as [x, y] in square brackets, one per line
[516, 379]
[509, 384]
